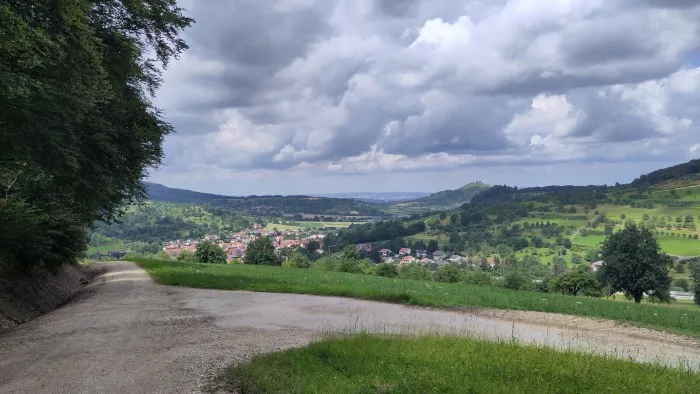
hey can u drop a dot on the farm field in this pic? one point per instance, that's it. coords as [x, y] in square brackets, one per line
[105, 248]
[670, 245]
[364, 364]
[414, 292]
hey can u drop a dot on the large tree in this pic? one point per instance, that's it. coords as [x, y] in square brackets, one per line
[633, 263]
[77, 129]
[210, 253]
[261, 252]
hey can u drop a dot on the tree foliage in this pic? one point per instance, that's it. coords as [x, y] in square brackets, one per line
[261, 252]
[210, 253]
[633, 263]
[572, 283]
[77, 129]
[695, 274]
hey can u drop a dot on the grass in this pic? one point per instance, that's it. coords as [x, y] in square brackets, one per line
[377, 364]
[414, 292]
[105, 248]
[671, 245]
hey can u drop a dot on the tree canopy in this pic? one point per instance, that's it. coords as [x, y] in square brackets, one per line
[78, 131]
[633, 263]
[261, 252]
[210, 253]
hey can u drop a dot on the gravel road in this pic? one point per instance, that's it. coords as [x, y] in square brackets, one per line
[125, 334]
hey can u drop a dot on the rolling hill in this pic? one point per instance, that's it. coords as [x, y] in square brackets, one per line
[268, 205]
[444, 200]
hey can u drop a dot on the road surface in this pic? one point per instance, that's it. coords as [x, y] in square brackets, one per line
[125, 334]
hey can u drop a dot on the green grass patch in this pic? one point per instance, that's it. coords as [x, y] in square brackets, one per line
[415, 292]
[105, 248]
[376, 364]
[680, 246]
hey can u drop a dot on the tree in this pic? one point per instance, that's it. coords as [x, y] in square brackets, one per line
[209, 253]
[695, 275]
[559, 267]
[633, 263]
[261, 252]
[297, 260]
[186, 257]
[443, 216]
[77, 128]
[575, 281]
[351, 253]
[432, 246]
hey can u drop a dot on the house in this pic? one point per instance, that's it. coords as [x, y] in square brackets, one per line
[388, 260]
[236, 253]
[438, 255]
[404, 251]
[364, 247]
[595, 266]
[426, 260]
[408, 259]
[384, 252]
[421, 253]
[491, 261]
[455, 259]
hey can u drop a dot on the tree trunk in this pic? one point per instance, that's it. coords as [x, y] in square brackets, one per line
[638, 297]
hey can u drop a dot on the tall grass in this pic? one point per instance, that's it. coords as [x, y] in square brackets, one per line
[372, 364]
[414, 292]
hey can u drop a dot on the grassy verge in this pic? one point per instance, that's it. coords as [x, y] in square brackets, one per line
[414, 292]
[373, 364]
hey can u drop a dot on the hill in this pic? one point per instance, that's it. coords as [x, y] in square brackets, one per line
[276, 206]
[562, 224]
[447, 199]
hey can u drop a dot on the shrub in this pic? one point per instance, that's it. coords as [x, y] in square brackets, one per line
[683, 284]
[415, 271]
[261, 252]
[449, 273]
[297, 260]
[479, 277]
[186, 257]
[517, 281]
[387, 270]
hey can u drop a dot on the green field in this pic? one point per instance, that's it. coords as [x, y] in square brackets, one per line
[105, 248]
[670, 245]
[441, 239]
[415, 292]
[376, 364]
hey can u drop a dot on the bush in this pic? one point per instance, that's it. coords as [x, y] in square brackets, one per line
[186, 257]
[449, 273]
[387, 270]
[683, 284]
[415, 271]
[479, 277]
[297, 260]
[210, 253]
[517, 281]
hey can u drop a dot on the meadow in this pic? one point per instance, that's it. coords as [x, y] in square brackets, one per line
[671, 245]
[414, 292]
[306, 225]
[381, 364]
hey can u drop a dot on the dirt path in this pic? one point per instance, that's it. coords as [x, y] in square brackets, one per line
[124, 333]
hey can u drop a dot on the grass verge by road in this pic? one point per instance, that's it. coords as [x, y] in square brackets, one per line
[374, 364]
[433, 294]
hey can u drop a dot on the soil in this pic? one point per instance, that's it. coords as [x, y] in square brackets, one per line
[124, 333]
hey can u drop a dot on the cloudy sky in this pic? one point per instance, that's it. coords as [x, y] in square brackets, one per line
[316, 96]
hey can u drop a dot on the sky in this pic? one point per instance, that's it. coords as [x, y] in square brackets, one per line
[325, 96]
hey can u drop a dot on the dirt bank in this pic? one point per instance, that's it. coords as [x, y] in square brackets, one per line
[124, 333]
[25, 297]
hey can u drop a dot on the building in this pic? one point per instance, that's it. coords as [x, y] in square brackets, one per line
[421, 253]
[595, 266]
[385, 252]
[438, 255]
[404, 251]
[455, 259]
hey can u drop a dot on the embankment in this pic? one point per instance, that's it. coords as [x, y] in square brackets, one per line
[24, 297]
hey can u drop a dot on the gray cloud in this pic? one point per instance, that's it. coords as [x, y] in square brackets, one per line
[378, 85]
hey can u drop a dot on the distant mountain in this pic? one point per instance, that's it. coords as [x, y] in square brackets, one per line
[268, 205]
[377, 197]
[446, 199]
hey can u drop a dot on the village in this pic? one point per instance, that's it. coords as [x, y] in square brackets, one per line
[236, 244]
